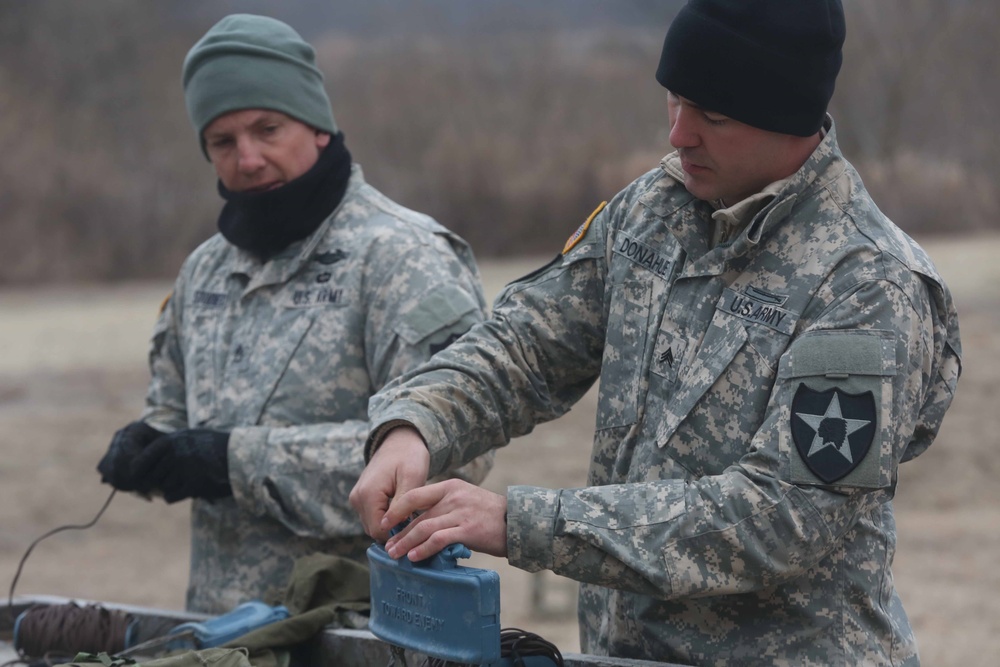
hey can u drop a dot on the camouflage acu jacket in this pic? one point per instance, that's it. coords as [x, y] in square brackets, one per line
[285, 356]
[756, 398]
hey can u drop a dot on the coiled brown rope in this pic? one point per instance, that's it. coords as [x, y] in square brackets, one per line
[65, 629]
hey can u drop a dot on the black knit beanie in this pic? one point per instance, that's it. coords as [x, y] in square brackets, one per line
[771, 64]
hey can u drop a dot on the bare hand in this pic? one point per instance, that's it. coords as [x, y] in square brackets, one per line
[399, 464]
[453, 511]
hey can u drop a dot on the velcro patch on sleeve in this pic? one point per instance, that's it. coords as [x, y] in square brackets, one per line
[841, 392]
[439, 310]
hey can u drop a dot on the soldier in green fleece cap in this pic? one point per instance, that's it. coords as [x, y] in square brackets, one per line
[316, 292]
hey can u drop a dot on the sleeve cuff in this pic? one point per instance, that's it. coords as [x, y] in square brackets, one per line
[246, 454]
[435, 438]
[379, 433]
[531, 519]
[164, 421]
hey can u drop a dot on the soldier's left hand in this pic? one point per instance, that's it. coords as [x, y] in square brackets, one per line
[128, 442]
[453, 511]
[190, 463]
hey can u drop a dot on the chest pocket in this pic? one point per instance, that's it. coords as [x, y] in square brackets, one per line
[720, 395]
[624, 349]
[233, 362]
[202, 330]
[251, 379]
[724, 338]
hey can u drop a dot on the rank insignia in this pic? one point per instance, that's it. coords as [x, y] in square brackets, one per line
[582, 229]
[833, 430]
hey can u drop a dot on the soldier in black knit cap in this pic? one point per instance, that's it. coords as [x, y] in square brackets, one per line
[770, 349]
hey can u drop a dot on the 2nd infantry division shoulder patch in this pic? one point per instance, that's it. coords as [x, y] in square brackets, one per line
[582, 229]
[833, 430]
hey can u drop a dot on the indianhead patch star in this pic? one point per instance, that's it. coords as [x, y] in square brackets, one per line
[832, 429]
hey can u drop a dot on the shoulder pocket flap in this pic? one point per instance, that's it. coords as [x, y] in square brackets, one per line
[840, 353]
[722, 342]
[441, 308]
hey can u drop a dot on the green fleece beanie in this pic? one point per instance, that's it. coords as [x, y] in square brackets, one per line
[254, 62]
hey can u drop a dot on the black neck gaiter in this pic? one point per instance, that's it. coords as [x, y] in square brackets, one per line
[265, 223]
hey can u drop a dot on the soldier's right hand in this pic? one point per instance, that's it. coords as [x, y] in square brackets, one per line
[116, 464]
[401, 463]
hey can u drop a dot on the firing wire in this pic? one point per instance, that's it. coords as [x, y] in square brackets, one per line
[518, 644]
[397, 657]
[62, 613]
[20, 566]
[515, 644]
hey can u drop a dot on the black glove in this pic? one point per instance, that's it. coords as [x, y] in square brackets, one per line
[191, 463]
[116, 465]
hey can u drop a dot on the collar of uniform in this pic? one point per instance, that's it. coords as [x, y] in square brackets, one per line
[682, 214]
[730, 221]
[672, 165]
[288, 262]
[824, 165]
[762, 211]
[751, 218]
[727, 221]
[662, 198]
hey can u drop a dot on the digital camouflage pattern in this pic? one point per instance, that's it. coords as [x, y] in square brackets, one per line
[704, 536]
[285, 355]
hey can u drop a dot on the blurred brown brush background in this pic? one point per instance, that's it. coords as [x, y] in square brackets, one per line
[508, 122]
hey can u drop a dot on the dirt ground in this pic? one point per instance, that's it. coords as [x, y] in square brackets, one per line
[72, 370]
